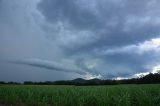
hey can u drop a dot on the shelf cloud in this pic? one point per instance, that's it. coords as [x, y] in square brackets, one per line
[51, 65]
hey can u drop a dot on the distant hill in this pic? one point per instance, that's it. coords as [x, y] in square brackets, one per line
[83, 81]
[79, 80]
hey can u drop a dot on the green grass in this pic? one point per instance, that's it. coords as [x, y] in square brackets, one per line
[111, 95]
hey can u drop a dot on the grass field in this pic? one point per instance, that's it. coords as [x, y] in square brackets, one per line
[111, 95]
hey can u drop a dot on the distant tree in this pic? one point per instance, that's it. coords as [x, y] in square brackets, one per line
[2, 82]
[10, 82]
[28, 82]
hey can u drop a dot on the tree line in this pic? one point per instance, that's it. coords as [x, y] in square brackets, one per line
[147, 79]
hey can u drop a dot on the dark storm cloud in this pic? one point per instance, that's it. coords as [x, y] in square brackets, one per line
[105, 38]
[115, 22]
[69, 12]
[133, 62]
[81, 64]
[51, 65]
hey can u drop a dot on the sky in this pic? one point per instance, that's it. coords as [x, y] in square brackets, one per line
[48, 40]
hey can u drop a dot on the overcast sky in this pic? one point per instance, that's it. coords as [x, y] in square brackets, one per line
[42, 40]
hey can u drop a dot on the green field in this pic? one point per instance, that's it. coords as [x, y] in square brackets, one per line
[53, 95]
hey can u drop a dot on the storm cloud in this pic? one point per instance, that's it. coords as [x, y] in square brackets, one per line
[51, 65]
[78, 38]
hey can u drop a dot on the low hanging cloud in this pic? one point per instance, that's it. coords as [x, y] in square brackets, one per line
[81, 63]
[51, 65]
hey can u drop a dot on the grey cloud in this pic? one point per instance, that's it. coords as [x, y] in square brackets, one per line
[81, 63]
[128, 64]
[69, 12]
[51, 65]
[108, 18]
[113, 24]
[70, 31]
[139, 49]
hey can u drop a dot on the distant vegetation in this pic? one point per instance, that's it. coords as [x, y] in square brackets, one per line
[148, 79]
